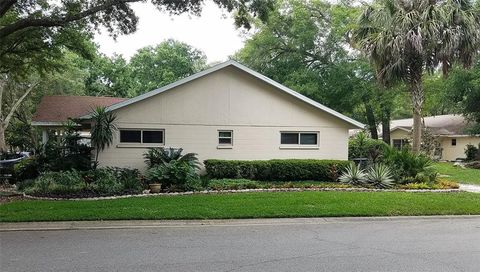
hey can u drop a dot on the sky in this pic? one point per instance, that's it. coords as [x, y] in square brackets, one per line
[213, 32]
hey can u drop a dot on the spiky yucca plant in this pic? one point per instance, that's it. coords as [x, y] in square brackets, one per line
[353, 175]
[379, 176]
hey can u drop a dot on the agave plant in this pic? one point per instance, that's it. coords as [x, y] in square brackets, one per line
[162, 155]
[353, 175]
[379, 176]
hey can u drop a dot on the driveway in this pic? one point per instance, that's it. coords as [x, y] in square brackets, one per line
[387, 244]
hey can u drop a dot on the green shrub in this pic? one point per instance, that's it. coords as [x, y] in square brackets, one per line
[361, 146]
[407, 166]
[233, 184]
[161, 155]
[176, 174]
[106, 183]
[56, 183]
[28, 168]
[472, 152]
[275, 170]
[129, 178]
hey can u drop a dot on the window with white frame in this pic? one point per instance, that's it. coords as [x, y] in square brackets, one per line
[291, 138]
[225, 137]
[142, 136]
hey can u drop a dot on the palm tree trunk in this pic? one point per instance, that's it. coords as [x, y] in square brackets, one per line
[372, 123]
[417, 95]
[3, 145]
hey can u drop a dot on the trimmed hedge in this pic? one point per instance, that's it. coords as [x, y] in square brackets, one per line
[276, 170]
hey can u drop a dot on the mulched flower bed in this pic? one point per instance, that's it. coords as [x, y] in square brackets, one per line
[248, 191]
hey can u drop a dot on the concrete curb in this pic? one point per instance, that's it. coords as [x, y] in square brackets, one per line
[144, 224]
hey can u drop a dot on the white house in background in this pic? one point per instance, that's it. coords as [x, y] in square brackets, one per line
[227, 112]
[451, 131]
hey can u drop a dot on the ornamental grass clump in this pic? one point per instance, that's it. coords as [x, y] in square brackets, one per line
[379, 176]
[353, 175]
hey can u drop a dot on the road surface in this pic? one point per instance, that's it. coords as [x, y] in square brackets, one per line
[423, 244]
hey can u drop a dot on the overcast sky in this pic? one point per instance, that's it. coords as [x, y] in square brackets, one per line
[213, 32]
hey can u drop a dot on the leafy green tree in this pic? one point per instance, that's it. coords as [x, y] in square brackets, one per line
[153, 67]
[305, 45]
[403, 39]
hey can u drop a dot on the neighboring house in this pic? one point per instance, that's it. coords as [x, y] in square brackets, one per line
[227, 112]
[451, 131]
[54, 111]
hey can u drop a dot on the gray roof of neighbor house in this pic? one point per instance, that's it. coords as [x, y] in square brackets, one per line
[233, 63]
[451, 124]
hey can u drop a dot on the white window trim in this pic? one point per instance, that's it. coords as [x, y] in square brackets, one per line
[224, 146]
[300, 146]
[141, 144]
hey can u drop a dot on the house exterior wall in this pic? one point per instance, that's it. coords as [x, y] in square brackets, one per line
[398, 134]
[228, 99]
[451, 152]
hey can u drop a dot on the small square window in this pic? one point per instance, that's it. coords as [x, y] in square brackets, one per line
[225, 137]
[454, 142]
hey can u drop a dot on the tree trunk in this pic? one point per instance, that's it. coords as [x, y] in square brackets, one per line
[3, 144]
[386, 126]
[372, 123]
[416, 92]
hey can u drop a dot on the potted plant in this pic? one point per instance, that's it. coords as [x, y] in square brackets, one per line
[155, 188]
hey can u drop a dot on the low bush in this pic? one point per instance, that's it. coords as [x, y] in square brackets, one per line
[57, 183]
[175, 175]
[275, 170]
[361, 146]
[26, 169]
[73, 183]
[472, 152]
[233, 184]
[409, 167]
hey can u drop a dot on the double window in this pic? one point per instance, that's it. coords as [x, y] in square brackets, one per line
[142, 136]
[299, 138]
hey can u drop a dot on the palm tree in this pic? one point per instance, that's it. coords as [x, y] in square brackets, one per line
[405, 38]
[103, 127]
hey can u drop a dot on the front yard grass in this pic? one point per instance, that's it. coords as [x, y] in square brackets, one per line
[246, 205]
[458, 174]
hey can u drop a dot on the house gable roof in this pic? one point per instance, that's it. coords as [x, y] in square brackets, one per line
[450, 124]
[245, 69]
[56, 109]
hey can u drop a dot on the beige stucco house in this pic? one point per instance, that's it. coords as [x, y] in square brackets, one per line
[450, 131]
[227, 112]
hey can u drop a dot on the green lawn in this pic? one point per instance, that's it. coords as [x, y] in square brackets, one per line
[247, 205]
[471, 176]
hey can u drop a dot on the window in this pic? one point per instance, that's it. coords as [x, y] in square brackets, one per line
[225, 137]
[130, 136]
[454, 142]
[152, 136]
[142, 136]
[399, 143]
[299, 138]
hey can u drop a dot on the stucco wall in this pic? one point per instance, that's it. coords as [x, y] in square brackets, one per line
[450, 152]
[398, 134]
[228, 99]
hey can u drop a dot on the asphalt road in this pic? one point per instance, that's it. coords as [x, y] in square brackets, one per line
[257, 245]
